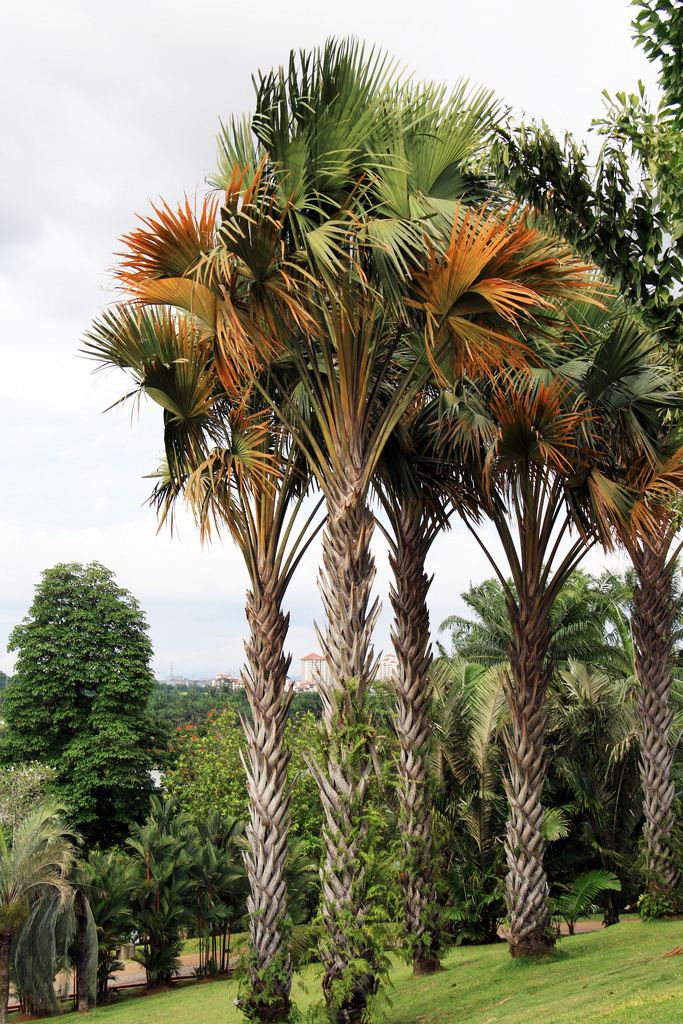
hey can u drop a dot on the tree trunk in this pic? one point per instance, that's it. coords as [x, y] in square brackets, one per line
[83, 1000]
[526, 888]
[611, 915]
[653, 617]
[5, 953]
[265, 678]
[411, 641]
[345, 581]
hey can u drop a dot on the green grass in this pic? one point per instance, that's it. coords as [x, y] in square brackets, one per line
[618, 975]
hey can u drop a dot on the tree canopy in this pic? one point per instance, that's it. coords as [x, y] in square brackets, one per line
[78, 699]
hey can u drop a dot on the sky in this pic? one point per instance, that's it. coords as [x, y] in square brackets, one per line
[105, 108]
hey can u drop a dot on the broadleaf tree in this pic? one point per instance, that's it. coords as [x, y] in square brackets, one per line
[78, 698]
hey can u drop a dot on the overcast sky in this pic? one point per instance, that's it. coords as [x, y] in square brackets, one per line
[106, 106]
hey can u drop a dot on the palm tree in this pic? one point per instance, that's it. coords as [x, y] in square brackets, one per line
[239, 472]
[413, 484]
[161, 889]
[38, 862]
[345, 377]
[350, 160]
[648, 611]
[108, 879]
[652, 624]
[549, 468]
[648, 447]
[219, 883]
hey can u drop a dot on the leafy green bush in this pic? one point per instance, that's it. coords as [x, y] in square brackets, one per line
[654, 905]
[578, 899]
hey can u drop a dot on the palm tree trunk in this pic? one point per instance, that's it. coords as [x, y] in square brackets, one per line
[5, 953]
[83, 1001]
[526, 888]
[611, 915]
[265, 678]
[653, 617]
[345, 581]
[410, 636]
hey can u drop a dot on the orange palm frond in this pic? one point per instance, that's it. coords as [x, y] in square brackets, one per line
[612, 505]
[249, 465]
[168, 244]
[182, 293]
[659, 488]
[479, 294]
[263, 296]
[536, 423]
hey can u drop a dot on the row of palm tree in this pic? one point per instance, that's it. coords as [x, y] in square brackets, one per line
[345, 318]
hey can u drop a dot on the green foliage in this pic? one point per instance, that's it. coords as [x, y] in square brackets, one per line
[261, 992]
[161, 889]
[578, 899]
[476, 903]
[13, 915]
[208, 773]
[59, 936]
[188, 875]
[108, 878]
[79, 696]
[21, 787]
[654, 905]
[303, 882]
[658, 28]
[36, 896]
[576, 619]
[303, 739]
[220, 887]
[172, 705]
[469, 717]
[624, 211]
[208, 769]
[592, 794]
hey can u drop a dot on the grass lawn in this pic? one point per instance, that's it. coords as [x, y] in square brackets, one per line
[618, 975]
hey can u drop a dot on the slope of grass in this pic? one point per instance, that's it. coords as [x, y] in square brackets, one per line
[618, 975]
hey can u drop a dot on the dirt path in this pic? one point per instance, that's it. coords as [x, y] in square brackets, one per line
[133, 974]
[580, 928]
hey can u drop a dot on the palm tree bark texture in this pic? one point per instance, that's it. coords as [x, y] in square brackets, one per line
[5, 953]
[653, 617]
[83, 1000]
[265, 676]
[346, 578]
[410, 635]
[527, 884]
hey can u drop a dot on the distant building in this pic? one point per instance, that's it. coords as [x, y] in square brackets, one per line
[388, 667]
[226, 679]
[314, 670]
